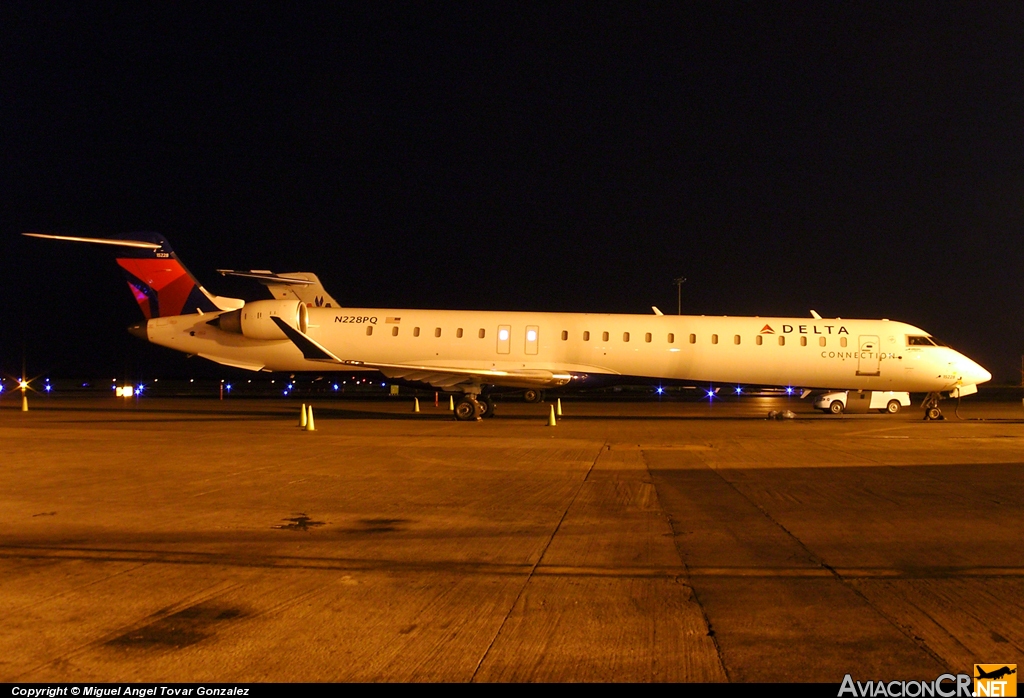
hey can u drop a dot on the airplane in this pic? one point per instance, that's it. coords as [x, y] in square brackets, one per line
[995, 674]
[474, 352]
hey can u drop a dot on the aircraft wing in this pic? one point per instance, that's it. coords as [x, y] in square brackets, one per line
[447, 376]
[302, 286]
[437, 376]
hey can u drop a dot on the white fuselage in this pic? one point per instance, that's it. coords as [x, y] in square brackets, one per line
[799, 352]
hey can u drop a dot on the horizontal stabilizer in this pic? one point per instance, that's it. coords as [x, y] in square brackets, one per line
[137, 244]
[159, 282]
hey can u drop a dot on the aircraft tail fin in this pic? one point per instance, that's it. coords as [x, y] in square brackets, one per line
[159, 282]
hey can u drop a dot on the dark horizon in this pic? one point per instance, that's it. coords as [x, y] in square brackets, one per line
[859, 161]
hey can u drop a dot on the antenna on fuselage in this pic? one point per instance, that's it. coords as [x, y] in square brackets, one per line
[679, 293]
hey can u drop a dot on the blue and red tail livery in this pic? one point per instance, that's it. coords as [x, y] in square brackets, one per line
[159, 282]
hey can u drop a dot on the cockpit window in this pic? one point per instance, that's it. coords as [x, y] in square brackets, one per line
[919, 341]
[938, 342]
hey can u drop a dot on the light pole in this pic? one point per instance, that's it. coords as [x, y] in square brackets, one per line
[679, 293]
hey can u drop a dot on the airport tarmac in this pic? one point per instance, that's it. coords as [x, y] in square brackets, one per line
[201, 540]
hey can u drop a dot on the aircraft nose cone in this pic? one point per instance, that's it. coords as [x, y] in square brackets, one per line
[974, 373]
[138, 330]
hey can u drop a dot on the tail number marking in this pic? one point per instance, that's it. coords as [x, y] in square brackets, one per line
[357, 319]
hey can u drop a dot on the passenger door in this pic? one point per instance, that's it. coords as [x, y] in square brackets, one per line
[869, 359]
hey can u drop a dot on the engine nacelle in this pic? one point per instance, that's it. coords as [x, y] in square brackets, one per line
[253, 319]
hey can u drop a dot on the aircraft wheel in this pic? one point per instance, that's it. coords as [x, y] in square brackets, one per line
[486, 406]
[893, 407]
[466, 409]
[836, 407]
[933, 413]
[532, 395]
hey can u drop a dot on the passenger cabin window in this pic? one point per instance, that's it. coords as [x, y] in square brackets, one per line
[586, 336]
[782, 341]
[437, 331]
[842, 341]
[671, 338]
[803, 341]
[565, 335]
[458, 333]
[369, 330]
[394, 331]
[647, 337]
[758, 339]
[821, 341]
[415, 331]
[482, 333]
[604, 336]
[736, 339]
[625, 336]
[693, 339]
[532, 333]
[714, 339]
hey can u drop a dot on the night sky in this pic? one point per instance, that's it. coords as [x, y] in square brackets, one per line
[860, 159]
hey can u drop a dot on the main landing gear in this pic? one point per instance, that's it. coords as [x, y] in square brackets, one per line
[931, 407]
[473, 407]
[533, 395]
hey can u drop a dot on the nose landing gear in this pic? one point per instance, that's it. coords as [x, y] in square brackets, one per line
[931, 408]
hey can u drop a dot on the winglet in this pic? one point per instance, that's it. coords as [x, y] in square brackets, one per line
[814, 314]
[311, 350]
[656, 311]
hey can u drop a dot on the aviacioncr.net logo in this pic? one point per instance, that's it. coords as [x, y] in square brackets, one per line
[995, 680]
[945, 686]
